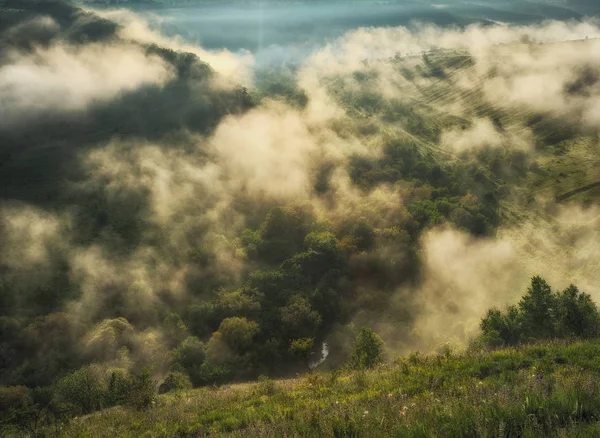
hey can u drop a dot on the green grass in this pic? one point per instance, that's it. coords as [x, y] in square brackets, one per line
[542, 390]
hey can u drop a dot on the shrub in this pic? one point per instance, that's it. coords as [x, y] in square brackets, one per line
[142, 394]
[83, 391]
[174, 381]
[208, 374]
[368, 350]
[190, 353]
[119, 386]
[301, 348]
[265, 386]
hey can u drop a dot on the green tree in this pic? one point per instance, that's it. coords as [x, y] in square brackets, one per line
[299, 319]
[190, 353]
[119, 386]
[282, 233]
[238, 333]
[84, 390]
[368, 350]
[174, 329]
[229, 345]
[174, 381]
[577, 314]
[301, 349]
[142, 394]
[502, 328]
[538, 309]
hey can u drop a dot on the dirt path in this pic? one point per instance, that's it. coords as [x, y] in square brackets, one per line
[571, 193]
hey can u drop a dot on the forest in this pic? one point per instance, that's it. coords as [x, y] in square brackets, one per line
[176, 217]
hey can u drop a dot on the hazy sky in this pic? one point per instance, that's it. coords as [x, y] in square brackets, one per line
[281, 32]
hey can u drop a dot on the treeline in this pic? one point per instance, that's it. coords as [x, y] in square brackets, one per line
[543, 314]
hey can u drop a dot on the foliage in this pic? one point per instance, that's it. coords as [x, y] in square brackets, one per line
[174, 381]
[174, 329]
[368, 350]
[530, 391]
[142, 392]
[543, 314]
[265, 386]
[190, 353]
[297, 271]
[238, 333]
[301, 348]
[84, 390]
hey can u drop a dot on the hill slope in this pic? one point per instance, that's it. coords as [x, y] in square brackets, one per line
[541, 390]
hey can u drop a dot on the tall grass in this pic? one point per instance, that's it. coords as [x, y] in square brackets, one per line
[543, 390]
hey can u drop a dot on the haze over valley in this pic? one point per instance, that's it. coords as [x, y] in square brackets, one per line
[202, 194]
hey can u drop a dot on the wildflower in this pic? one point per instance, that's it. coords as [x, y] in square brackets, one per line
[365, 413]
[390, 395]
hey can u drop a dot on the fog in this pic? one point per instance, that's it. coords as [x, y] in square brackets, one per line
[130, 172]
[287, 31]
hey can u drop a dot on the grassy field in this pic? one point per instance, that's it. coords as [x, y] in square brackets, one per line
[541, 390]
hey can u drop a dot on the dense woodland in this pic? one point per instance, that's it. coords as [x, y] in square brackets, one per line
[304, 272]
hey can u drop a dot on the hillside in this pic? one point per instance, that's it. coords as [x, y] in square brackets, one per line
[541, 390]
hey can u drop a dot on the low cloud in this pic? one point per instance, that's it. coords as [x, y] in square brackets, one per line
[65, 78]
[464, 276]
[233, 68]
[183, 201]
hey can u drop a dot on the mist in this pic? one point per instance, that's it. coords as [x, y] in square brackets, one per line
[284, 32]
[392, 183]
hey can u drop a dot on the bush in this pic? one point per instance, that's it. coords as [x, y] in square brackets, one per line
[368, 350]
[208, 374]
[16, 406]
[142, 394]
[175, 381]
[190, 353]
[119, 386]
[83, 391]
[265, 386]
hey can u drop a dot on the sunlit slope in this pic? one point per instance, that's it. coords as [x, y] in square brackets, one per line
[441, 91]
[543, 390]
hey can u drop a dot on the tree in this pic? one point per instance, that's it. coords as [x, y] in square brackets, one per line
[577, 314]
[538, 309]
[368, 350]
[174, 329]
[282, 233]
[83, 391]
[299, 319]
[502, 328]
[174, 381]
[142, 394]
[238, 333]
[228, 345]
[301, 349]
[190, 353]
[542, 314]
